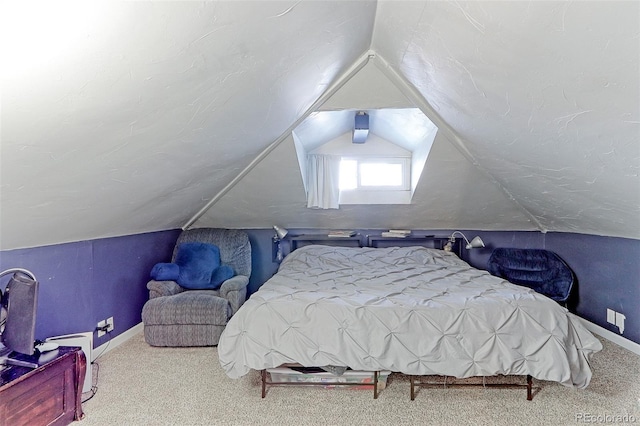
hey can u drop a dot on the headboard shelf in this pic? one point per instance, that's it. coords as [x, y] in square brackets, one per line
[375, 241]
[306, 239]
[429, 241]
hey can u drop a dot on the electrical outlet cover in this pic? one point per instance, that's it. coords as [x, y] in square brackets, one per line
[101, 324]
[611, 316]
[620, 321]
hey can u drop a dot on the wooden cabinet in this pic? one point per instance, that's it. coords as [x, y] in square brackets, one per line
[48, 395]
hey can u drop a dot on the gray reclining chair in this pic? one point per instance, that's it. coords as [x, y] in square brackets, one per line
[175, 316]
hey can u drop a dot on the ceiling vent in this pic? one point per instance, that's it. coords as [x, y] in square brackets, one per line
[361, 127]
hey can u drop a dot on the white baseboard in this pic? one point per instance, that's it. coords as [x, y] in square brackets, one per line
[117, 341]
[612, 337]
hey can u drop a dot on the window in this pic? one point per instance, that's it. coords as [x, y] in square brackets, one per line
[375, 180]
[383, 170]
[376, 174]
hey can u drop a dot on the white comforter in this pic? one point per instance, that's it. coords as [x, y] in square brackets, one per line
[410, 309]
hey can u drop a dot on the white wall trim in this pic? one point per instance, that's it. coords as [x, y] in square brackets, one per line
[116, 341]
[612, 337]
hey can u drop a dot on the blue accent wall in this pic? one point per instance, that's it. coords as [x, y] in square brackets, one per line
[607, 271]
[85, 282]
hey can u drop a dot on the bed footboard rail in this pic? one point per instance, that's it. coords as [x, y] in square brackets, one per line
[266, 381]
[417, 382]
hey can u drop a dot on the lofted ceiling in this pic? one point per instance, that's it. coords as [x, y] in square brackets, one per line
[127, 117]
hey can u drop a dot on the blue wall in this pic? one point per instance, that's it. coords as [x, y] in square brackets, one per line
[85, 282]
[607, 271]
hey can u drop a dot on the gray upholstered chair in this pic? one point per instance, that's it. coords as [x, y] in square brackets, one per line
[175, 316]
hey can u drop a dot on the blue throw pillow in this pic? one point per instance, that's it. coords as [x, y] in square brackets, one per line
[165, 272]
[197, 261]
[220, 275]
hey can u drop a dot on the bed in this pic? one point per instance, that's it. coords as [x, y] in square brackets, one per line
[413, 310]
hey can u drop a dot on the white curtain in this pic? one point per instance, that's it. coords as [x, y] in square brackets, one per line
[323, 174]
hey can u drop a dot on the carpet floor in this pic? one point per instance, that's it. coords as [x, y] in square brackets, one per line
[142, 385]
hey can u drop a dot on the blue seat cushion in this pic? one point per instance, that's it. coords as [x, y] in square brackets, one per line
[165, 272]
[197, 261]
[540, 270]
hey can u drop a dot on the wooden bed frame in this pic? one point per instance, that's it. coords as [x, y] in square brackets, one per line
[416, 382]
[374, 241]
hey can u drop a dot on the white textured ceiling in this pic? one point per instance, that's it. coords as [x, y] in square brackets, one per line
[545, 96]
[137, 121]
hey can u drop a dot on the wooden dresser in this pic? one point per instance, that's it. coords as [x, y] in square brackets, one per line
[48, 395]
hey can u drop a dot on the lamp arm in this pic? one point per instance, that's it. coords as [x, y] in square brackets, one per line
[452, 238]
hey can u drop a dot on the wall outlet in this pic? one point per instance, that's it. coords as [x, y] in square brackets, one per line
[105, 326]
[620, 321]
[616, 318]
[101, 328]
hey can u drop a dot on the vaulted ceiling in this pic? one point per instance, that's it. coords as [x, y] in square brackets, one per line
[127, 117]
